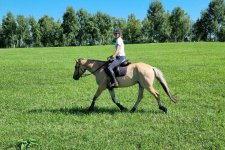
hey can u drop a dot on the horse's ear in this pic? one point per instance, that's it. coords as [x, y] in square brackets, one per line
[76, 60]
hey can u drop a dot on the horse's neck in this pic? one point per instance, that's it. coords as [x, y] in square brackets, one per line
[93, 65]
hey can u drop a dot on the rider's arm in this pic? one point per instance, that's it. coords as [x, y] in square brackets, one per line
[116, 51]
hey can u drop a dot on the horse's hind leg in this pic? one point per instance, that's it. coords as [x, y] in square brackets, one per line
[140, 96]
[113, 96]
[157, 96]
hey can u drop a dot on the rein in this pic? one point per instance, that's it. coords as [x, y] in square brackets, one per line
[88, 74]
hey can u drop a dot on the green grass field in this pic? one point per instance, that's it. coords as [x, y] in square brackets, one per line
[40, 101]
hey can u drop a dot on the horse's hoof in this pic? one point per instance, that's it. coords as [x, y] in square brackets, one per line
[91, 109]
[164, 109]
[133, 110]
[123, 109]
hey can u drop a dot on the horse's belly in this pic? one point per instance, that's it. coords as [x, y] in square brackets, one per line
[130, 78]
[125, 81]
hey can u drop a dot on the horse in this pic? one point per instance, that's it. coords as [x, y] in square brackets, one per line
[137, 73]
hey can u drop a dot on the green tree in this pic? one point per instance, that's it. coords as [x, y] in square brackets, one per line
[200, 28]
[45, 24]
[132, 32]
[160, 28]
[119, 23]
[2, 44]
[23, 32]
[211, 23]
[70, 26]
[104, 24]
[180, 24]
[147, 30]
[216, 18]
[93, 32]
[83, 32]
[9, 30]
[221, 34]
[35, 32]
[51, 32]
[57, 34]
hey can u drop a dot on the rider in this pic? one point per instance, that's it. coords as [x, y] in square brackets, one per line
[118, 56]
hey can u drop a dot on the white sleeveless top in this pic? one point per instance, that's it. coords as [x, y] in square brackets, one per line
[119, 41]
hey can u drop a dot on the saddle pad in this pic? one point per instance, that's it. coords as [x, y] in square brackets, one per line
[120, 71]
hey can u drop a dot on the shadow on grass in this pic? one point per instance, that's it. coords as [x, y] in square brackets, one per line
[77, 111]
[84, 111]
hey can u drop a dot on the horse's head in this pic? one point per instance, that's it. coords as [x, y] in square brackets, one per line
[79, 70]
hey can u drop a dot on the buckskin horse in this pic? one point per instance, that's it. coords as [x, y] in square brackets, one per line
[136, 73]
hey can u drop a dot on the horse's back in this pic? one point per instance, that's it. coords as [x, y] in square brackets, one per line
[141, 66]
[137, 73]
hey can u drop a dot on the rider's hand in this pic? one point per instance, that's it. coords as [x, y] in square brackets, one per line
[111, 58]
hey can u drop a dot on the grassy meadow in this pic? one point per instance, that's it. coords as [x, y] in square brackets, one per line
[42, 107]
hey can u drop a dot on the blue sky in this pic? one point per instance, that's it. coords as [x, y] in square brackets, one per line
[116, 8]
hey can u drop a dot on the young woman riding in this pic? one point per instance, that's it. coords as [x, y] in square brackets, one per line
[118, 56]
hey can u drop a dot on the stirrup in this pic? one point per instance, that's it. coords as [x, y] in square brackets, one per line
[114, 85]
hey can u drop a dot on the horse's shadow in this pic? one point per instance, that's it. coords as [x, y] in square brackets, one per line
[84, 111]
[77, 111]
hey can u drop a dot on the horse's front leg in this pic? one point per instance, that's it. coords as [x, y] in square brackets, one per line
[112, 93]
[97, 94]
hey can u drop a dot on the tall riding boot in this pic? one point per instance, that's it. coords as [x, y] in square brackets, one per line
[113, 79]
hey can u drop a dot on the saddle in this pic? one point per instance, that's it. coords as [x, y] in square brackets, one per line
[120, 70]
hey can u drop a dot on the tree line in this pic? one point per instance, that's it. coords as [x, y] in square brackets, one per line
[82, 28]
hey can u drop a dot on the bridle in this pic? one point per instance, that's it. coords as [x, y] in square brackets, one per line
[88, 74]
[77, 67]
